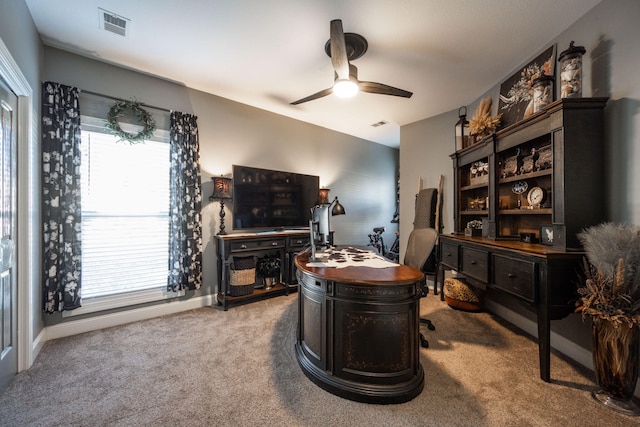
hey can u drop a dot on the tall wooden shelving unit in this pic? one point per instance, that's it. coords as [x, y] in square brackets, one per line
[541, 177]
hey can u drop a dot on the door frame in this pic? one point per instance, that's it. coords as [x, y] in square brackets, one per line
[27, 207]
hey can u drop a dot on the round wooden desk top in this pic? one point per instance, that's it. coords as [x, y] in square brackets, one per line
[396, 274]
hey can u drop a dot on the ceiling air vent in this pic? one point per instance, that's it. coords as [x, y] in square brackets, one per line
[114, 23]
[380, 123]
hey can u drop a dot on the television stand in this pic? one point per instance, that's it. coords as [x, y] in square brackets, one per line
[286, 244]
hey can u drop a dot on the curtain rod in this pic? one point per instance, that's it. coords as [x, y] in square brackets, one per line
[121, 99]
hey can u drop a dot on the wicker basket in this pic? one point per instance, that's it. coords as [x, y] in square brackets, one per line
[461, 295]
[242, 276]
[241, 282]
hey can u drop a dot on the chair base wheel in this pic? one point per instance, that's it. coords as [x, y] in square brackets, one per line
[423, 341]
[429, 324]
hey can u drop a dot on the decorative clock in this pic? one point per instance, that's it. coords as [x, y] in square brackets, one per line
[536, 196]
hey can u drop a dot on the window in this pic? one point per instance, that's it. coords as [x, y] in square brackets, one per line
[125, 215]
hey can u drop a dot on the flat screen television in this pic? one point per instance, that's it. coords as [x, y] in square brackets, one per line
[265, 199]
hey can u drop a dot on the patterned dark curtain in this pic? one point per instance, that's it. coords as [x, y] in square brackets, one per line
[185, 228]
[61, 215]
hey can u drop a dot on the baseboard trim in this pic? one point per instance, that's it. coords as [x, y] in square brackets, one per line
[558, 342]
[565, 346]
[37, 346]
[94, 323]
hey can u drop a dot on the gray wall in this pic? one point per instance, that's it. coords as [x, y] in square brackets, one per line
[611, 35]
[361, 173]
[425, 147]
[19, 35]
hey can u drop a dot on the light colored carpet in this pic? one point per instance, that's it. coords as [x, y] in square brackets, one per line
[238, 368]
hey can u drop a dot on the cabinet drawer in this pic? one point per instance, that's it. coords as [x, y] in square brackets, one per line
[298, 242]
[248, 245]
[475, 263]
[313, 284]
[515, 276]
[450, 255]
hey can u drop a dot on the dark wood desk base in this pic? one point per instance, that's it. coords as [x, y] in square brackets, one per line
[358, 335]
[384, 394]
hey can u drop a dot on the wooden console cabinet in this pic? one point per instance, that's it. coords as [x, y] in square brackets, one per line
[533, 185]
[284, 244]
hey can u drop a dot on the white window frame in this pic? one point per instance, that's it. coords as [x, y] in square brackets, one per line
[129, 298]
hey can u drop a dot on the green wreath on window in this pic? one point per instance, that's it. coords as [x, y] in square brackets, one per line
[143, 116]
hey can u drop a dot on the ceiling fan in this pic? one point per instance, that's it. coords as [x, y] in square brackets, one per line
[344, 47]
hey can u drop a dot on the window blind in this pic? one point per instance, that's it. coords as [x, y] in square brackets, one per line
[125, 218]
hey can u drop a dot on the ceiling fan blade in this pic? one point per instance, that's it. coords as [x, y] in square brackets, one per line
[339, 50]
[317, 95]
[382, 89]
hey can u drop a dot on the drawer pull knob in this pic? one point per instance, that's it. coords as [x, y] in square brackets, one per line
[243, 247]
[511, 276]
[274, 243]
[299, 242]
[473, 263]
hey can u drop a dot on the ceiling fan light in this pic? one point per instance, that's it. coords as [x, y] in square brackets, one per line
[345, 88]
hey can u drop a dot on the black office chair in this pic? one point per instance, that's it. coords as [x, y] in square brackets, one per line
[419, 248]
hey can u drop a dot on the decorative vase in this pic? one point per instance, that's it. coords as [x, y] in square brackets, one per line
[615, 364]
[268, 283]
[542, 92]
[571, 71]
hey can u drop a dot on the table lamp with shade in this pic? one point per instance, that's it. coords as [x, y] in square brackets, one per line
[222, 192]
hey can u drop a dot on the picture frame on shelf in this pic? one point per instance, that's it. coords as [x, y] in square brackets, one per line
[546, 235]
[516, 93]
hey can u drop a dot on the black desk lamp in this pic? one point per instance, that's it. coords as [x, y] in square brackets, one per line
[337, 209]
[222, 192]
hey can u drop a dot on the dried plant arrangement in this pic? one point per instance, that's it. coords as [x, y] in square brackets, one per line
[611, 298]
[483, 124]
[611, 288]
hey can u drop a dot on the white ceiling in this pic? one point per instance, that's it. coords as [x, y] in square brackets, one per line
[268, 53]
